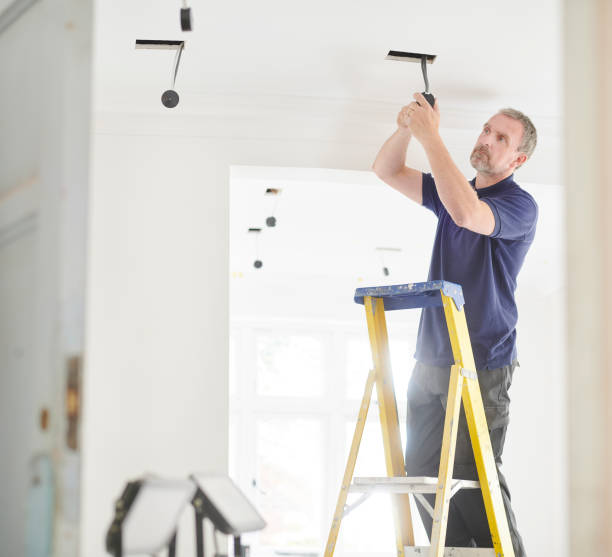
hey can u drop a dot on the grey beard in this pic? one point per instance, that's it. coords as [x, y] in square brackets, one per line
[480, 163]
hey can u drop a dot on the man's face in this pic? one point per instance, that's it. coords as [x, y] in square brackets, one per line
[496, 151]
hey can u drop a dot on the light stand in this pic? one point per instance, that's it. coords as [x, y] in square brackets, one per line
[221, 501]
[146, 516]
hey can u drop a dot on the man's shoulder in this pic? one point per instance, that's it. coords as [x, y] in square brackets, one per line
[514, 190]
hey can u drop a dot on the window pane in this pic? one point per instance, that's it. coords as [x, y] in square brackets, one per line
[289, 365]
[359, 362]
[358, 365]
[290, 482]
[369, 528]
[371, 456]
[402, 362]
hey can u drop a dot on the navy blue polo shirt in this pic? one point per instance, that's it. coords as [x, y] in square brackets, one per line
[486, 267]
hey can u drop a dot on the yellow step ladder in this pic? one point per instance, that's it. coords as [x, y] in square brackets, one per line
[464, 386]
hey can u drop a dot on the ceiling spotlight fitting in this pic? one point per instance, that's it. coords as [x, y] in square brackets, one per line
[258, 263]
[186, 24]
[418, 57]
[381, 252]
[170, 97]
[273, 192]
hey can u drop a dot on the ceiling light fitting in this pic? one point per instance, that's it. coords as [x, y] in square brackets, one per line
[258, 263]
[170, 98]
[381, 252]
[273, 192]
[423, 59]
[186, 23]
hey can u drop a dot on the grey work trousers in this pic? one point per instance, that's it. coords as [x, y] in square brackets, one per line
[427, 397]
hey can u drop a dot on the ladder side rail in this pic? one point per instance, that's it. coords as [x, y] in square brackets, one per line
[478, 429]
[392, 442]
[447, 460]
[350, 465]
[485, 464]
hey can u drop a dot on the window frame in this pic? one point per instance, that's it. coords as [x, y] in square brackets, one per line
[334, 409]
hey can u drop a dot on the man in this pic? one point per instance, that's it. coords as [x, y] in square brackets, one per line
[485, 228]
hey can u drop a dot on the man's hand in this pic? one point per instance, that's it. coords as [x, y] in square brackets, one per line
[420, 118]
[403, 120]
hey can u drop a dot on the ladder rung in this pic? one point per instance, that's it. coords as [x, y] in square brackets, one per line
[403, 484]
[423, 551]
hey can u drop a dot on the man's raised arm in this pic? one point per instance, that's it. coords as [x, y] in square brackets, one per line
[455, 192]
[390, 164]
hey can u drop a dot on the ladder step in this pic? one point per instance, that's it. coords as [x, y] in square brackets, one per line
[404, 484]
[413, 295]
[410, 551]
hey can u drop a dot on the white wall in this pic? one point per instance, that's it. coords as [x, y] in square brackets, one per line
[156, 394]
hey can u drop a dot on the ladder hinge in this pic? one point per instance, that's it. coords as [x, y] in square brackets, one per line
[469, 373]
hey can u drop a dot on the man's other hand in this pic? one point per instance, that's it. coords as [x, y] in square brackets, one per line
[423, 120]
[403, 119]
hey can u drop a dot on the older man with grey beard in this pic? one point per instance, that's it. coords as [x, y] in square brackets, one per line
[485, 228]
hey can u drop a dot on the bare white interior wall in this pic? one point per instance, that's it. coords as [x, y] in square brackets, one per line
[45, 58]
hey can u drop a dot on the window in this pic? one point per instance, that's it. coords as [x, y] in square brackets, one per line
[289, 478]
[289, 365]
[295, 395]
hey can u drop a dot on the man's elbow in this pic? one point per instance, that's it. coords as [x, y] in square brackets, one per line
[474, 223]
[377, 170]
[381, 172]
[465, 216]
[460, 219]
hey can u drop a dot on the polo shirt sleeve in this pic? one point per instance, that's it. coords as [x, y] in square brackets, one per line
[431, 200]
[516, 215]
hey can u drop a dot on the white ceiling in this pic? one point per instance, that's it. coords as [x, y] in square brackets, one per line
[489, 54]
[326, 62]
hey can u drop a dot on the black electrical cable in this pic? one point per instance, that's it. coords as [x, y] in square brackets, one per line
[428, 96]
[424, 68]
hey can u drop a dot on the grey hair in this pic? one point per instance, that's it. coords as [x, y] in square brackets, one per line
[530, 135]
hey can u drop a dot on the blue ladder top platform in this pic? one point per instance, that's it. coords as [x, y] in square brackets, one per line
[413, 295]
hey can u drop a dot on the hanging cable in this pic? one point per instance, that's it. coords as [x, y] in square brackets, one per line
[424, 68]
